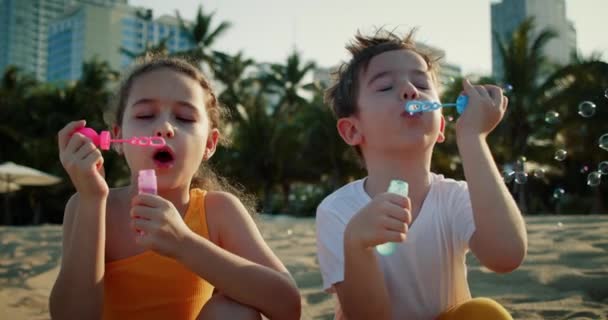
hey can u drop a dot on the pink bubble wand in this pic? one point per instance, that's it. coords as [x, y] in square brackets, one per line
[103, 139]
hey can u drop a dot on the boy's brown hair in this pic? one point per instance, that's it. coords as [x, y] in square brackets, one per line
[342, 95]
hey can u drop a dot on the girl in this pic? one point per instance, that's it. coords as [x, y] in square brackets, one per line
[143, 256]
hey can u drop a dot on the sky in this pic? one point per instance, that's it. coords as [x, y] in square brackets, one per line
[268, 30]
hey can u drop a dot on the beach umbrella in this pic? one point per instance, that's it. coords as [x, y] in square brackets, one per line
[8, 187]
[12, 174]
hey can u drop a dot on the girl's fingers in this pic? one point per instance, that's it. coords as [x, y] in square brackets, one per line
[84, 151]
[63, 136]
[94, 158]
[143, 212]
[76, 141]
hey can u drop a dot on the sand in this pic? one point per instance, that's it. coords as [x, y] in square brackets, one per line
[565, 275]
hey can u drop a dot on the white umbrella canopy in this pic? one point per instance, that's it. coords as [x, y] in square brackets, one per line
[6, 186]
[13, 176]
[25, 176]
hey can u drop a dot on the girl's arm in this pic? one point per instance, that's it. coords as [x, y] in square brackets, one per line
[78, 290]
[243, 268]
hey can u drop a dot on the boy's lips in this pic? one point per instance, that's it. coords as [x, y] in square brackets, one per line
[164, 157]
[409, 115]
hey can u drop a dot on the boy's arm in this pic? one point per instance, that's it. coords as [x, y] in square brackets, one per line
[499, 240]
[244, 268]
[78, 290]
[362, 294]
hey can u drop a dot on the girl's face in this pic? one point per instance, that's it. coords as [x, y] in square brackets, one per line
[171, 105]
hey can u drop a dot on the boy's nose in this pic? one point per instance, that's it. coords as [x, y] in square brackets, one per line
[409, 91]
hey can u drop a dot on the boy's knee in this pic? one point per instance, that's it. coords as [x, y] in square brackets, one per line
[222, 307]
[478, 308]
[483, 308]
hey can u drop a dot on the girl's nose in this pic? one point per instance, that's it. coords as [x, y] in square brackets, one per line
[166, 131]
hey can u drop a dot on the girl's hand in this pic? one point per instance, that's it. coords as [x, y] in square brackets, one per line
[82, 161]
[160, 225]
[485, 109]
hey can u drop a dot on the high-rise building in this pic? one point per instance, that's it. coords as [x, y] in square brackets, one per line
[90, 30]
[507, 15]
[23, 31]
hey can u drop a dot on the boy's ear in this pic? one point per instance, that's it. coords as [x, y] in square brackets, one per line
[348, 128]
[212, 140]
[441, 136]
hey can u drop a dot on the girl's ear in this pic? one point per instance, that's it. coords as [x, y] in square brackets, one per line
[441, 136]
[349, 130]
[212, 139]
[117, 134]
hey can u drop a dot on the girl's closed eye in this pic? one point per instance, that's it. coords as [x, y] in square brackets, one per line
[144, 116]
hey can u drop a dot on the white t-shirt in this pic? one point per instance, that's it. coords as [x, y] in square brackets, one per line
[426, 274]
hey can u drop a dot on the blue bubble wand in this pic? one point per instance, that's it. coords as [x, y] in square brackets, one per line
[415, 106]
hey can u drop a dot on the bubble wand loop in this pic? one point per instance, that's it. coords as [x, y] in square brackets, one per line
[103, 139]
[416, 106]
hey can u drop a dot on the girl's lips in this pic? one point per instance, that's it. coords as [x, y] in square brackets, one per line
[164, 157]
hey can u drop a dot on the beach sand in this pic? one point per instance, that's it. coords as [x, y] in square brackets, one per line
[565, 275]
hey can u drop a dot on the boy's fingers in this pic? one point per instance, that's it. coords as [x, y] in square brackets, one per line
[468, 88]
[505, 103]
[63, 136]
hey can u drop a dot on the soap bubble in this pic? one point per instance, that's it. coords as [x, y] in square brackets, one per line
[521, 177]
[508, 176]
[507, 88]
[594, 178]
[551, 117]
[560, 155]
[539, 173]
[558, 193]
[584, 169]
[586, 109]
[603, 167]
[603, 142]
[606, 94]
[450, 118]
[520, 164]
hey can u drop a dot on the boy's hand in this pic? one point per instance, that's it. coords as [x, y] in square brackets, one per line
[384, 219]
[82, 161]
[162, 228]
[484, 111]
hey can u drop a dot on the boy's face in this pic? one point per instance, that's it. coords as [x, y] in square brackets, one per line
[391, 79]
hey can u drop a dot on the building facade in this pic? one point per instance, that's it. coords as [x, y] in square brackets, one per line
[91, 30]
[507, 15]
[23, 31]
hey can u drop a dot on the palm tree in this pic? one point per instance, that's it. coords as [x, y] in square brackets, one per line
[202, 36]
[150, 48]
[286, 82]
[524, 64]
[230, 70]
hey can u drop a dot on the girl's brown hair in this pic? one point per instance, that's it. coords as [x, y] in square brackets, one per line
[205, 178]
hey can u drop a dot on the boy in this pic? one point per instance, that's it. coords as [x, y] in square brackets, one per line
[425, 278]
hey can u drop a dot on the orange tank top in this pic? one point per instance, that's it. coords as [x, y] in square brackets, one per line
[151, 286]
